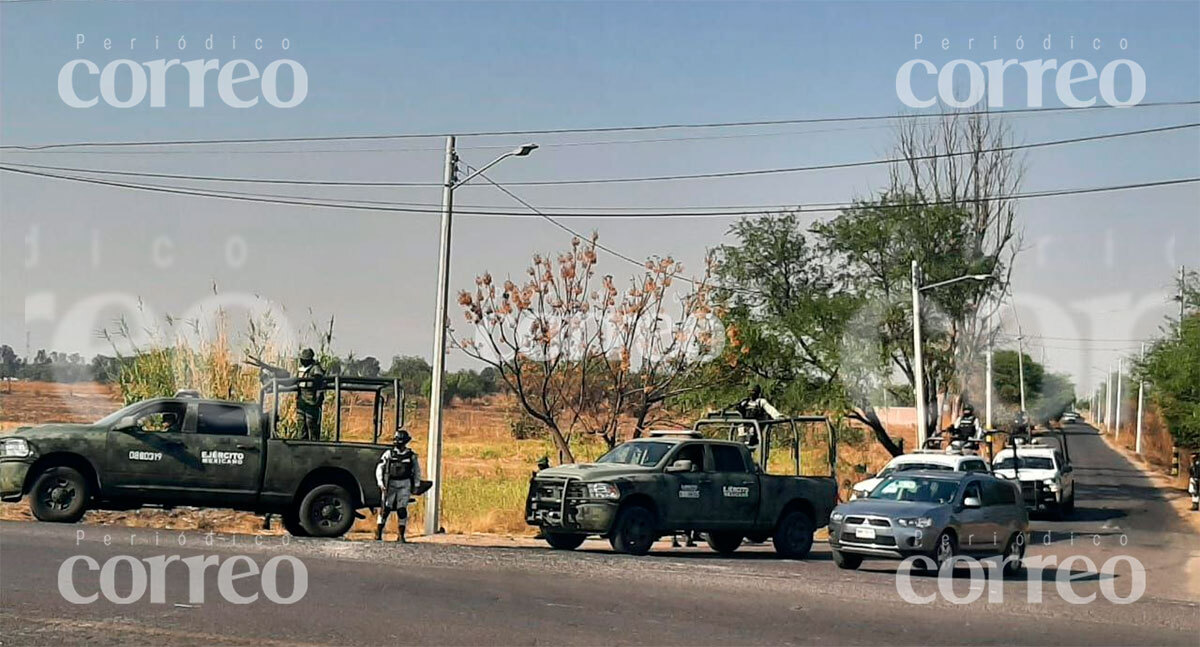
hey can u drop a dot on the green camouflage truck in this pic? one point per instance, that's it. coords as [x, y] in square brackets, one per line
[188, 451]
[687, 481]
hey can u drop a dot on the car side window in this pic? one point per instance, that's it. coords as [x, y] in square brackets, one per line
[998, 493]
[728, 459]
[222, 420]
[166, 417]
[691, 452]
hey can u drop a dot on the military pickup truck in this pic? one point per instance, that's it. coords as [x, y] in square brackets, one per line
[188, 451]
[681, 482]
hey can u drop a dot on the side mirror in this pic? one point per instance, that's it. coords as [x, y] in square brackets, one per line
[681, 465]
[125, 424]
[971, 502]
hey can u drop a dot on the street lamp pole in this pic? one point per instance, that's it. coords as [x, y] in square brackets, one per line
[450, 181]
[918, 360]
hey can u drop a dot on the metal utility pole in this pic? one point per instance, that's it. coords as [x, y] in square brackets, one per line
[1117, 401]
[918, 365]
[1137, 445]
[434, 459]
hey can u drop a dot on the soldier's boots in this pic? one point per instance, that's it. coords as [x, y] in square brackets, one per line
[378, 533]
[400, 536]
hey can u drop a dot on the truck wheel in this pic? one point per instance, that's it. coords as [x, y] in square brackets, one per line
[634, 531]
[291, 523]
[59, 494]
[848, 561]
[564, 540]
[794, 535]
[723, 542]
[327, 511]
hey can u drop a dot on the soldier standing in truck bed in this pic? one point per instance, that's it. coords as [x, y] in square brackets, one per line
[309, 395]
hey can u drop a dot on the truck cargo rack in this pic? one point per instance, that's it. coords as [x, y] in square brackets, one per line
[338, 384]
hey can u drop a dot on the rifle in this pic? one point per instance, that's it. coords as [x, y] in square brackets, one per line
[269, 369]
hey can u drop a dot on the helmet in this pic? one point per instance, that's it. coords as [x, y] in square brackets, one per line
[968, 410]
[755, 392]
[402, 437]
[307, 355]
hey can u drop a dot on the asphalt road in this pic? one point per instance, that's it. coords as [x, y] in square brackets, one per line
[366, 593]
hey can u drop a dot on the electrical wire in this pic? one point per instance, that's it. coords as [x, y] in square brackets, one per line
[625, 180]
[601, 129]
[388, 207]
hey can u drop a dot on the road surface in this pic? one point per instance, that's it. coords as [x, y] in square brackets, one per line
[362, 593]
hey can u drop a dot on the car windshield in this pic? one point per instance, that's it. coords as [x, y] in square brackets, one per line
[915, 488]
[113, 417]
[639, 453]
[1026, 463]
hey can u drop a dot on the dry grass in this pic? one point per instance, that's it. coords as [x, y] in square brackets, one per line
[486, 469]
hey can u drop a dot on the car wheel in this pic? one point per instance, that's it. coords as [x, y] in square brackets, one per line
[723, 542]
[944, 550]
[848, 561]
[794, 535]
[327, 511]
[1014, 552]
[60, 494]
[564, 540]
[634, 531]
[291, 523]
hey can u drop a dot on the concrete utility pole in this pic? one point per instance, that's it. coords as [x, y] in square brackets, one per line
[988, 387]
[1117, 401]
[918, 361]
[1137, 445]
[1021, 367]
[433, 502]
[434, 459]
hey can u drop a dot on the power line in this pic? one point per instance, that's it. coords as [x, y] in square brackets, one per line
[659, 178]
[373, 206]
[601, 129]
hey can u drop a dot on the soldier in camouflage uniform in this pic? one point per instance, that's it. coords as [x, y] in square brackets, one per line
[309, 395]
[398, 476]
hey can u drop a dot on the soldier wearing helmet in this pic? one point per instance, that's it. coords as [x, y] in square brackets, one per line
[309, 395]
[397, 474]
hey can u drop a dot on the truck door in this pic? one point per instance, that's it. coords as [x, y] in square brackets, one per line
[735, 487]
[145, 460]
[230, 457]
[688, 496]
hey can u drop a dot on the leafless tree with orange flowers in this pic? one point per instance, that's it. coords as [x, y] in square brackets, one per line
[582, 353]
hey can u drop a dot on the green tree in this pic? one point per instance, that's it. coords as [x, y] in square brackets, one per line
[1172, 366]
[1006, 377]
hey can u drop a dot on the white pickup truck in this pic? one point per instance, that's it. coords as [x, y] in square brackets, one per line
[1046, 477]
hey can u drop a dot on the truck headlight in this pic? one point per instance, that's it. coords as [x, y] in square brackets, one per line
[15, 448]
[1051, 484]
[603, 491]
[916, 522]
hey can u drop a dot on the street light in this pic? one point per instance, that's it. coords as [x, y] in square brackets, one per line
[450, 182]
[918, 362]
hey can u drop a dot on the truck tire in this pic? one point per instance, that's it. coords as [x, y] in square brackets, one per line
[848, 561]
[564, 540]
[327, 511]
[794, 535]
[723, 542]
[634, 531]
[291, 523]
[59, 494]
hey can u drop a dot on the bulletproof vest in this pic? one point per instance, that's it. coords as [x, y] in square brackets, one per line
[400, 465]
[966, 422]
[307, 391]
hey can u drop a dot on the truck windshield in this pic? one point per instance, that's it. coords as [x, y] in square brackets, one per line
[113, 417]
[911, 488]
[1027, 463]
[639, 453]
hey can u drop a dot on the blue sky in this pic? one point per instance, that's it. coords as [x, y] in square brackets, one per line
[451, 67]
